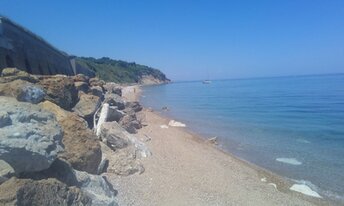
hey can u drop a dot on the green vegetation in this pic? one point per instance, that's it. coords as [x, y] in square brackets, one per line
[119, 71]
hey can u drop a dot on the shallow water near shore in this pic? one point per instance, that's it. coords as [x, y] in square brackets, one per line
[293, 126]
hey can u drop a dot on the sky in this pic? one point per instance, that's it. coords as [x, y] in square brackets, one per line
[191, 40]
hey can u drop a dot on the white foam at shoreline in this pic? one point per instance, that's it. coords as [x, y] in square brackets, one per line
[291, 161]
[304, 189]
[173, 123]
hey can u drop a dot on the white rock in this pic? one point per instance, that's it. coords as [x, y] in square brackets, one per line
[173, 123]
[164, 126]
[304, 189]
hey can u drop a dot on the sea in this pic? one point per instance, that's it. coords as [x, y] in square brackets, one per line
[292, 126]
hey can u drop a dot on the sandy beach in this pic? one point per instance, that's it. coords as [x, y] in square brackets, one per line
[185, 169]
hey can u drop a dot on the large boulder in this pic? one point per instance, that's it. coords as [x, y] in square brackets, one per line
[82, 149]
[31, 139]
[42, 192]
[96, 187]
[114, 100]
[23, 91]
[130, 123]
[117, 137]
[123, 162]
[113, 136]
[87, 106]
[60, 90]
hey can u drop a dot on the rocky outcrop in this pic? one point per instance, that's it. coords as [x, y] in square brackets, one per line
[60, 90]
[31, 138]
[114, 88]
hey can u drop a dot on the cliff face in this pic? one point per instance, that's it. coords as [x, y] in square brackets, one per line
[122, 72]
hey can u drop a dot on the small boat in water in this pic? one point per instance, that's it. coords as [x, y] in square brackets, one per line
[206, 81]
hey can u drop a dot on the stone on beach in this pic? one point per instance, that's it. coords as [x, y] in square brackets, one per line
[130, 123]
[114, 88]
[113, 136]
[32, 140]
[81, 86]
[174, 123]
[12, 74]
[304, 189]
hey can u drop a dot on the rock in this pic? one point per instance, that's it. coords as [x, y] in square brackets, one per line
[132, 107]
[42, 192]
[33, 139]
[23, 91]
[5, 119]
[114, 88]
[114, 130]
[82, 149]
[130, 123]
[60, 90]
[6, 171]
[114, 100]
[174, 123]
[87, 106]
[82, 86]
[113, 135]
[96, 82]
[124, 163]
[11, 74]
[59, 113]
[81, 78]
[97, 91]
[32, 94]
[114, 114]
[94, 186]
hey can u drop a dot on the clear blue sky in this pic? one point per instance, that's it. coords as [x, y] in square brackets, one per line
[188, 39]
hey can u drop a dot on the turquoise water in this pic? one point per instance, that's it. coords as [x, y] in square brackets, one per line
[261, 120]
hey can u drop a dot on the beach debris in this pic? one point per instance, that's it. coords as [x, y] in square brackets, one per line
[174, 123]
[164, 126]
[273, 184]
[104, 112]
[304, 189]
[291, 161]
[146, 138]
[213, 140]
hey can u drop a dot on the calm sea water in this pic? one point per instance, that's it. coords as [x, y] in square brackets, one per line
[300, 119]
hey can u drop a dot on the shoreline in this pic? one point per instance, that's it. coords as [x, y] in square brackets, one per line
[276, 187]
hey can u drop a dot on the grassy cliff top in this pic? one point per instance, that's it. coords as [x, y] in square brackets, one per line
[119, 71]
